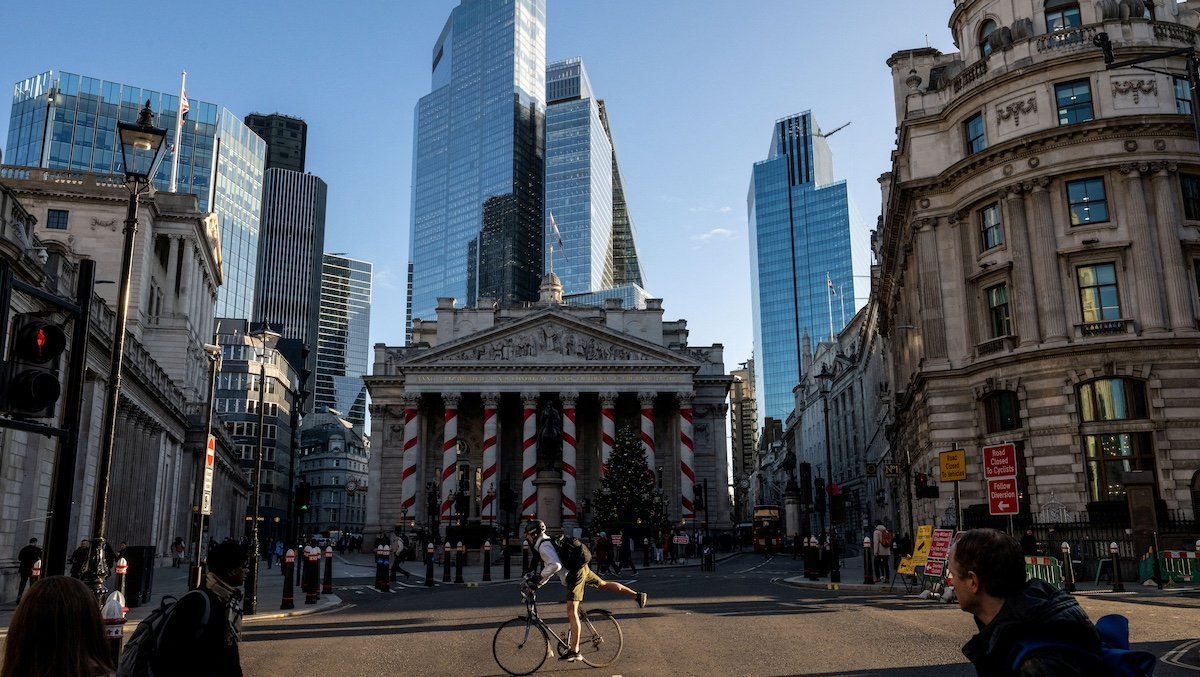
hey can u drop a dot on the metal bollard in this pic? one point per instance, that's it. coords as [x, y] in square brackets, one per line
[458, 562]
[382, 563]
[487, 561]
[446, 562]
[36, 575]
[312, 588]
[1069, 572]
[646, 552]
[868, 564]
[327, 583]
[114, 623]
[429, 566]
[524, 557]
[1114, 551]
[508, 562]
[122, 570]
[289, 597]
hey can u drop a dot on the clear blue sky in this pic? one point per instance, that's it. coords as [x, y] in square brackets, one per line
[693, 88]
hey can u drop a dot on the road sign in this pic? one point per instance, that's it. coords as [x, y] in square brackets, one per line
[1000, 461]
[616, 539]
[680, 540]
[1002, 497]
[935, 567]
[940, 546]
[210, 460]
[953, 465]
[921, 550]
[891, 469]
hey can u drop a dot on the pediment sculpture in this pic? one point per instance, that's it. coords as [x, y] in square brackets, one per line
[545, 341]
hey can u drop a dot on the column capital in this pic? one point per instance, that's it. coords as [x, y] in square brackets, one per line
[410, 400]
[451, 399]
[608, 399]
[1163, 169]
[568, 398]
[685, 399]
[1014, 192]
[647, 398]
[1133, 170]
[529, 400]
[491, 400]
[1038, 185]
[377, 410]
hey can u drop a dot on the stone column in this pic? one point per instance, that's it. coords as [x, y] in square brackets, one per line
[528, 455]
[1175, 273]
[449, 453]
[1145, 265]
[647, 401]
[491, 457]
[1018, 238]
[569, 510]
[1044, 250]
[608, 428]
[412, 457]
[933, 325]
[172, 276]
[687, 458]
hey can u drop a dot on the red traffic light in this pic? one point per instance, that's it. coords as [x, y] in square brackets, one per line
[38, 341]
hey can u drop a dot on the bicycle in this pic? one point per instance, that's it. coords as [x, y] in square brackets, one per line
[522, 644]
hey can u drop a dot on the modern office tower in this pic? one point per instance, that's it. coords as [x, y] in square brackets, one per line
[627, 270]
[343, 342]
[478, 159]
[291, 243]
[802, 273]
[62, 120]
[286, 137]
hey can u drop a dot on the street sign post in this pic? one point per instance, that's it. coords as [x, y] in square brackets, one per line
[953, 468]
[1000, 461]
[1002, 497]
[210, 459]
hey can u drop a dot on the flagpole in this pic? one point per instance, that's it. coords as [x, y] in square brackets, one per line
[842, 301]
[178, 130]
[829, 297]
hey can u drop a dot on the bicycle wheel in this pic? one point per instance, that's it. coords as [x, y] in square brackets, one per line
[600, 639]
[520, 647]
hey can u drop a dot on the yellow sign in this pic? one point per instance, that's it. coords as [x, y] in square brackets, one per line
[924, 540]
[953, 465]
[907, 567]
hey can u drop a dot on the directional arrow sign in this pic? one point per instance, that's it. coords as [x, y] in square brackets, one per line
[1002, 497]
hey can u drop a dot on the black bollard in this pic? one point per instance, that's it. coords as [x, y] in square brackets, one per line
[868, 565]
[289, 563]
[487, 561]
[312, 587]
[429, 566]
[1114, 551]
[122, 569]
[646, 552]
[458, 562]
[382, 564]
[327, 583]
[113, 613]
[507, 561]
[1069, 571]
[446, 563]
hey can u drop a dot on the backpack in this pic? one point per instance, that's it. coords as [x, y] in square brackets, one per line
[143, 644]
[885, 539]
[1115, 654]
[573, 552]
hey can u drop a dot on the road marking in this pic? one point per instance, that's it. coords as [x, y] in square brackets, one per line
[765, 561]
[1175, 656]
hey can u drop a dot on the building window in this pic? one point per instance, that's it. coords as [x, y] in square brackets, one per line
[1110, 456]
[1189, 184]
[985, 31]
[1061, 15]
[1074, 102]
[1183, 96]
[1112, 399]
[1098, 297]
[1001, 411]
[1087, 201]
[991, 226]
[999, 321]
[976, 139]
[56, 219]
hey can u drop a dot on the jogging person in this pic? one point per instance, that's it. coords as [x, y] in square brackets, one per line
[574, 580]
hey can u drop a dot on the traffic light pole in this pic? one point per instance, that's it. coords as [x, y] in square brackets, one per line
[197, 565]
[250, 601]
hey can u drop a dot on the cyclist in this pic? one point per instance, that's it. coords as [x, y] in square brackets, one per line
[573, 581]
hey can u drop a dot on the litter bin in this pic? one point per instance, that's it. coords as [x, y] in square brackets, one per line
[139, 582]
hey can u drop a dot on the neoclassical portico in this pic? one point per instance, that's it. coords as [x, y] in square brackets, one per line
[468, 419]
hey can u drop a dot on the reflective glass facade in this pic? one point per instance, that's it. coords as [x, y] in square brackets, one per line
[343, 341]
[478, 158]
[627, 269]
[800, 223]
[62, 120]
[631, 295]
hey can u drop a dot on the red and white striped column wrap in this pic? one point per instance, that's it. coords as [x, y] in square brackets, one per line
[411, 458]
[647, 402]
[569, 510]
[687, 459]
[608, 428]
[449, 452]
[528, 455]
[491, 457]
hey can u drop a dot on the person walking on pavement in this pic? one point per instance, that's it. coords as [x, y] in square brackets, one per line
[56, 630]
[79, 558]
[28, 556]
[279, 552]
[190, 646]
[398, 547]
[1029, 544]
[177, 550]
[881, 547]
[627, 553]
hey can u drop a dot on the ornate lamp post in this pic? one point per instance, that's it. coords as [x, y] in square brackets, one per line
[267, 340]
[141, 151]
[197, 546]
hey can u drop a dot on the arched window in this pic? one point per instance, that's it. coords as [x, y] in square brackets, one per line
[1112, 399]
[1061, 15]
[985, 47]
[1001, 411]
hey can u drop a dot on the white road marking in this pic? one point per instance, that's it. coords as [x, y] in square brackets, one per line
[1174, 656]
[746, 571]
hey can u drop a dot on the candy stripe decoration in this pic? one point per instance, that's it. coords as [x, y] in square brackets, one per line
[647, 400]
[568, 459]
[529, 459]
[412, 453]
[608, 428]
[491, 464]
[449, 453]
[687, 462]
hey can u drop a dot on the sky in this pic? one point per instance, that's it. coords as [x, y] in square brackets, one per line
[693, 88]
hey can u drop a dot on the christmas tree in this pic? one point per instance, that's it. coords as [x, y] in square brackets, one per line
[628, 495]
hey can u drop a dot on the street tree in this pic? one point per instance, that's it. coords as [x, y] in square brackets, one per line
[629, 496]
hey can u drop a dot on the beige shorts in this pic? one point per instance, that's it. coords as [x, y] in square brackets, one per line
[578, 580]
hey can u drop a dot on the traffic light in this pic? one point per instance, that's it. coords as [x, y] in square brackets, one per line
[819, 495]
[805, 476]
[30, 378]
[698, 497]
[922, 486]
[303, 496]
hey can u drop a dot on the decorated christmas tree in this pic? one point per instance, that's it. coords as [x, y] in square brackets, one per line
[628, 495]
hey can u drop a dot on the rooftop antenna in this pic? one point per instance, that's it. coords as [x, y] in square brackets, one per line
[927, 41]
[829, 134]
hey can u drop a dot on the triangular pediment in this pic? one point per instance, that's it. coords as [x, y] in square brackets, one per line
[550, 337]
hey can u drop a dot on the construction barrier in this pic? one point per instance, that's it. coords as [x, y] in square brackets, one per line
[1048, 569]
[1178, 566]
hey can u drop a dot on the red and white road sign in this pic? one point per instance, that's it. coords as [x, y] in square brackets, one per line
[616, 539]
[1002, 497]
[210, 460]
[940, 547]
[680, 540]
[1000, 461]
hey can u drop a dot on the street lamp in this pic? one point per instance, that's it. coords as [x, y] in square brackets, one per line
[267, 340]
[141, 147]
[835, 564]
[214, 366]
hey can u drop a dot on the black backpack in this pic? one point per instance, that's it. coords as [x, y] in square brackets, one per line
[142, 646]
[573, 552]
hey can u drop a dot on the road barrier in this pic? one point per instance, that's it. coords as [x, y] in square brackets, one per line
[383, 562]
[1181, 566]
[458, 562]
[1048, 569]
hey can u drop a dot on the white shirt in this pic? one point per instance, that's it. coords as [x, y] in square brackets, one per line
[550, 561]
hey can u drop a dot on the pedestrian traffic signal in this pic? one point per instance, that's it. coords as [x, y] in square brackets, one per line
[922, 486]
[805, 475]
[698, 497]
[819, 495]
[303, 496]
[31, 384]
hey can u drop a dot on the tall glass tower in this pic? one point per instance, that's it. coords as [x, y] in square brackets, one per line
[343, 341]
[62, 120]
[802, 270]
[478, 158]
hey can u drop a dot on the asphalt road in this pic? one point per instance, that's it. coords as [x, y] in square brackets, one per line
[741, 620]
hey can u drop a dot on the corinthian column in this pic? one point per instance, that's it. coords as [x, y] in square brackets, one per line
[411, 457]
[528, 455]
[933, 325]
[1044, 250]
[687, 458]
[608, 428]
[569, 510]
[1027, 324]
[449, 452]
[491, 457]
[1145, 265]
[1175, 274]
[647, 402]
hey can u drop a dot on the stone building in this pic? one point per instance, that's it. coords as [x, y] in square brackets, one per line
[743, 424]
[1038, 255]
[457, 414]
[333, 462]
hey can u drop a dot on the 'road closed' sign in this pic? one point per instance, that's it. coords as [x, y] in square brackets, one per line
[1000, 461]
[1002, 497]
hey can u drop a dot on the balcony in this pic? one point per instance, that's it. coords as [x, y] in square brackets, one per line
[996, 345]
[1104, 328]
[968, 75]
[1069, 39]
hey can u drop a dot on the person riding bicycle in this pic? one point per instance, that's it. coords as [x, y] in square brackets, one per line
[573, 580]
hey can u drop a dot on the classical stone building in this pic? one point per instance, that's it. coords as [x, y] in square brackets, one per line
[458, 414]
[333, 462]
[1038, 253]
[743, 423]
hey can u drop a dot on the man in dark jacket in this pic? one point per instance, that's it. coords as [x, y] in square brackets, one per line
[989, 579]
[79, 558]
[28, 556]
[191, 647]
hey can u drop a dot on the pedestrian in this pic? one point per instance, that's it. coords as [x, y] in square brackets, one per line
[177, 549]
[1029, 544]
[189, 647]
[901, 549]
[56, 630]
[398, 547]
[881, 547]
[26, 558]
[627, 553]
[79, 558]
[279, 551]
[989, 579]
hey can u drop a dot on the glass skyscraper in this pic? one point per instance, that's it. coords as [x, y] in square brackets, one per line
[343, 340]
[801, 224]
[627, 269]
[478, 158]
[62, 120]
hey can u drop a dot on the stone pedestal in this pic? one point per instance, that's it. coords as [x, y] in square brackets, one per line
[791, 514]
[549, 485]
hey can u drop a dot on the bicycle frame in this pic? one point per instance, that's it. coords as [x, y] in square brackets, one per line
[533, 618]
